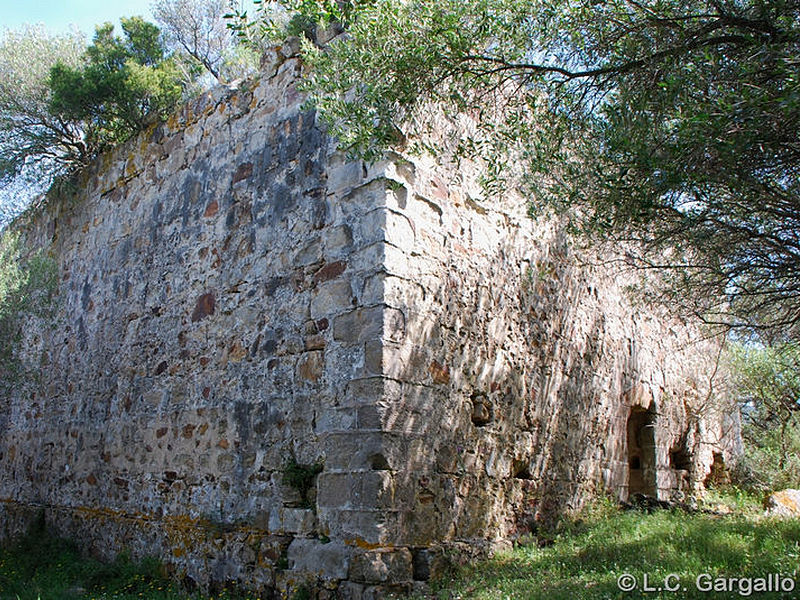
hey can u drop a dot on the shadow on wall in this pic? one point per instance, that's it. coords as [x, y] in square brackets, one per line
[508, 402]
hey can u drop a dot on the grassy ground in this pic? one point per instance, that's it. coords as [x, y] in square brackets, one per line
[588, 555]
[40, 567]
[582, 560]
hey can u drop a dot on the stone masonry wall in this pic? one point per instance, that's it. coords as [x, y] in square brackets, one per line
[508, 397]
[236, 297]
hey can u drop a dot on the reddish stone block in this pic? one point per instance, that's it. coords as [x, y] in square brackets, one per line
[204, 307]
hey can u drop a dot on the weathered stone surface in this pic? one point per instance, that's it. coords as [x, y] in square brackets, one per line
[785, 503]
[330, 271]
[236, 297]
[204, 307]
[332, 298]
[359, 325]
[243, 171]
[382, 566]
[311, 366]
[329, 560]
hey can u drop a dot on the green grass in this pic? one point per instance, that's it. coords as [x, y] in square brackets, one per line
[41, 567]
[583, 560]
[588, 554]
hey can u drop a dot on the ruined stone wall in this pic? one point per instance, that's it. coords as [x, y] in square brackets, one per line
[209, 273]
[508, 400]
[235, 297]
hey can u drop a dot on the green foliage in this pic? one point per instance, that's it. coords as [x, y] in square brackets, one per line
[27, 288]
[766, 384]
[239, 62]
[122, 83]
[30, 134]
[668, 124]
[273, 21]
[301, 25]
[302, 478]
[589, 553]
[62, 103]
[741, 500]
[302, 593]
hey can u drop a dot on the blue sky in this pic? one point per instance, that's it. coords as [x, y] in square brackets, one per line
[58, 15]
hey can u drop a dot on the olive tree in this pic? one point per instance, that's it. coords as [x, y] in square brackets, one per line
[27, 290]
[62, 103]
[32, 136]
[121, 84]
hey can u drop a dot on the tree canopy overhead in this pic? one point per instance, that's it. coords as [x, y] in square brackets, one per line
[197, 27]
[669, 123]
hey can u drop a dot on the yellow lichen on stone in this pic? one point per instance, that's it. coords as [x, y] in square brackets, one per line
[173, 122]
[788, 499]
[365, 545]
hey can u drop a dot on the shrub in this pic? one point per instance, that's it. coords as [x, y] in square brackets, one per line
[766, 381]
[27, 288]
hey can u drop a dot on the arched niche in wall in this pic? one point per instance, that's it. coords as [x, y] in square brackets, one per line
[641, 451]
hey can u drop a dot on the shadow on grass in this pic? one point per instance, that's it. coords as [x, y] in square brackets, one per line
[670, 548]
[39, 566]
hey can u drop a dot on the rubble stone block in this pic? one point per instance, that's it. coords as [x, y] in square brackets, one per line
[331, 298]
[784, 503]
[382, 566]
[329, 560]
[292, 520]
